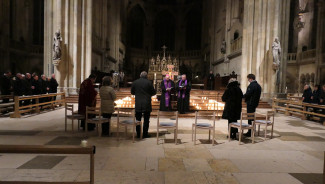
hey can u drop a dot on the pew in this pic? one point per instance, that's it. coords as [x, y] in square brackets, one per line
[41, 149]
[293, 107]
[18, 109]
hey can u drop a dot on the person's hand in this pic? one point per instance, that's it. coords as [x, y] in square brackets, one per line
[33, 87]
[312, 98]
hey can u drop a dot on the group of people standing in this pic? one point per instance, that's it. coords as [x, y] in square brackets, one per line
[233, 97]
[28, 84]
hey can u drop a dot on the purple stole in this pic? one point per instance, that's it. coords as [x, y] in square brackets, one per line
[167, 94]
[183, 92]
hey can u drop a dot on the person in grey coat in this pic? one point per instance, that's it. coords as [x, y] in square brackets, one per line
[143, 90]
[107, 98]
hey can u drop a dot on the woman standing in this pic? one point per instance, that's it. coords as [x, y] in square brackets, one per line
[233, 98]
[107, 96]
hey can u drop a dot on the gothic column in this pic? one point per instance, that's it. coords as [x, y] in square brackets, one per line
[73, 18]
[320, 37]
[263, 21]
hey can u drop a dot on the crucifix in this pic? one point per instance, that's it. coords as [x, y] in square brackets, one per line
[164, 48]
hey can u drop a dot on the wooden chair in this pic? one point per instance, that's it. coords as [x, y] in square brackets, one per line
[98, 120]
[241, 126]
[129, 122]
[209, 115]
[167, 124]
[73, 115]
[269, 121]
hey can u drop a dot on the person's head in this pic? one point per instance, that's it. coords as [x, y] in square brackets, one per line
[43, 77]
[323, 87]
[49, 78]
[22, 76]
[144, 74]
[276, 39]
[34, 74]
[19, 76]
[317, 87]
[92, 77]
[232, 80]
[183, 77]
[167, 77]
[53, 76]
[250, 77]
[35, 77]
[28, 76]
[106, 81]
[306, 87]
[211, 72]
[8, 74]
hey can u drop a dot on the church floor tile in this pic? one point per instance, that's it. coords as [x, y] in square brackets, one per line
[42, 162]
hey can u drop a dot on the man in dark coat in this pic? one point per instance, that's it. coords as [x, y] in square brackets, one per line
[167, 88]
[28, 87]
[36, 86]
[252, 97]
[87, 97]
[211, 81]
[44, 88]
[53, 85]
[307, 95]
[18, 85]
[233, 104]
[183, 88]
[5, 86]
[143, 90]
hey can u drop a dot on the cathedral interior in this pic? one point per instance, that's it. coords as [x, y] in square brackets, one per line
[203, 35]
[281, 42]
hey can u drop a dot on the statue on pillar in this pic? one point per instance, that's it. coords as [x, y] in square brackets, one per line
[57, 45]
[276, 47]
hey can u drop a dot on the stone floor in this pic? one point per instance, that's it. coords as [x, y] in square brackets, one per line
[295, 154]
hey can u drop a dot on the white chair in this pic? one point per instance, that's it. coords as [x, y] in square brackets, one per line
[129, 122]
[167, 124]
[98, 120]
[71, 114]
[269, 121]
[241, 126]
[207, 115]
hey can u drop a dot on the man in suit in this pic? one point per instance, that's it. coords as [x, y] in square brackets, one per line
[6, 86]
[143, 90]
[252, 97]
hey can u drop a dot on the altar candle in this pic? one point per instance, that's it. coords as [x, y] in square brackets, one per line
[84, 143]
[155, 76]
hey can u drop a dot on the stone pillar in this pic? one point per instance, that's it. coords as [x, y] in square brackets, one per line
[74, 19]
[320, 37]
[263, 21]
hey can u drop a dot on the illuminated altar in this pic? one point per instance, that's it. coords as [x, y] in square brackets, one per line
[159, 67]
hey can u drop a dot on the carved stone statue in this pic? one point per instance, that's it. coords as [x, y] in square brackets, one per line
[276, 47]
[57, 45]
[223, 47]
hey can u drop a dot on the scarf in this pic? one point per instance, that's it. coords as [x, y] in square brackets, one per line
[167, 94]
[179, 92]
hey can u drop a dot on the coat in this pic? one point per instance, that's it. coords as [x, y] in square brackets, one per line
[143, 91]
[53, 85]
[107, 98]
[307, 95]
[253, 94]
[87, 96]
[232, 97]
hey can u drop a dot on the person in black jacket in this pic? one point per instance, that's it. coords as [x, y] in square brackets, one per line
[143, 90]
[183, 89]
[233, 104]
[18, 85]
[252, 97]
[53, 85]
[28, 87]
[211, 81]
[5, 86]
[307, 95]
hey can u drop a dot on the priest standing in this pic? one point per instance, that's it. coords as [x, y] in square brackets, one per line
[167, 87]
[183, 88]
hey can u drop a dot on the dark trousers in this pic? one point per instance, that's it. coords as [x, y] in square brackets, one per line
[146, 117]
[233, 130]
[105, 126]
[91, 126]
[250, 109]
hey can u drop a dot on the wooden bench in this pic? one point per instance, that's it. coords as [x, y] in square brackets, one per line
[299, 108]
[18, 110]
[40, 149]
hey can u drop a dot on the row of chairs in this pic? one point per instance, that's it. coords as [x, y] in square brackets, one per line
[171, 124]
